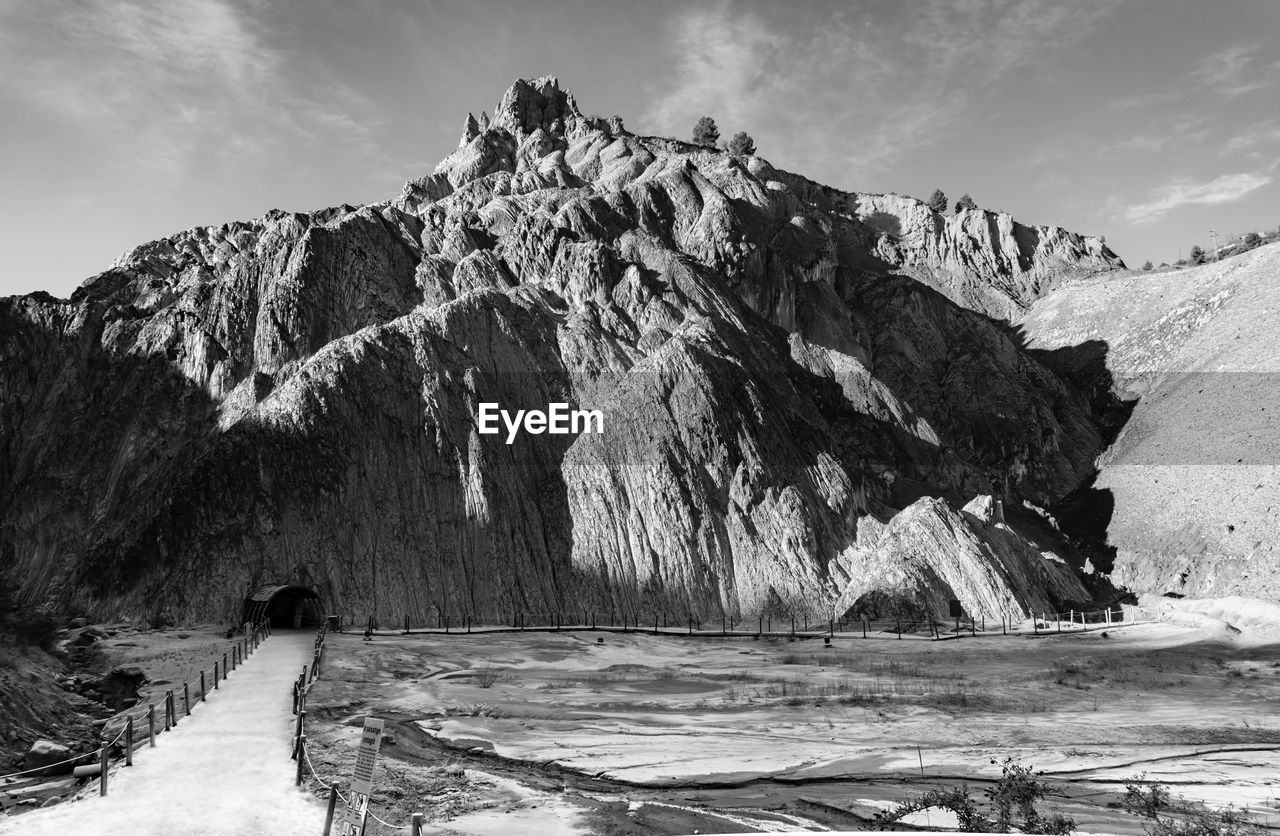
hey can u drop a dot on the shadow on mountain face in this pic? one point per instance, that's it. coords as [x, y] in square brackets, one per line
[1005, 416]
[91, 443]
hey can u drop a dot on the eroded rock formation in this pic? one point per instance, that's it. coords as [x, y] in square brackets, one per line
[783, 368]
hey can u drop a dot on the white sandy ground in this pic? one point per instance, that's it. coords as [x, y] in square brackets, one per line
[225, 770]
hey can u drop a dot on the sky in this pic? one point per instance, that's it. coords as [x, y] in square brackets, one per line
[1148, 121]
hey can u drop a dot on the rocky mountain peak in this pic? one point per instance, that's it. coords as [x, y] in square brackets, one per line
[785, 368]
[533, 104]
[470, 130]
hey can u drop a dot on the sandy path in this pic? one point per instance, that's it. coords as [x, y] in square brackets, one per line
[225, 770]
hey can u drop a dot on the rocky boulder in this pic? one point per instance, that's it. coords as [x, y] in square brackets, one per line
[51, 758]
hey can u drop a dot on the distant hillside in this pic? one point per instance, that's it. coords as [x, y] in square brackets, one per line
[1193, 475]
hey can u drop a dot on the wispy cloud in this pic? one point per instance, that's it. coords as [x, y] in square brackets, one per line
[910, 78]
[180, 78]
[1184, 191]
[1259, 135]
[1223, 71]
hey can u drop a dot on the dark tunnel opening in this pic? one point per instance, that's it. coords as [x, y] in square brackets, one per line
[286, 607]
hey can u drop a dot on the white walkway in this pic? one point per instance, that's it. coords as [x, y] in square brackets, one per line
[224, 770]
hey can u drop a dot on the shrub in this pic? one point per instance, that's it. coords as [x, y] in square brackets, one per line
[1146, 800]
[1196, 255]
[1013, 797]
[1193, 818]
[705, 132]
[938, 202]
[964, 203]
[485, 677]
[1147, 265]
[1252, 240]
[742, 144]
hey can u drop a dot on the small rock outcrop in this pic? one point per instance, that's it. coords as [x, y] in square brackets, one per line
[930, 554]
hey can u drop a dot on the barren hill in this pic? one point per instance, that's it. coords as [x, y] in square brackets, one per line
[783, 369]
[1193, 476]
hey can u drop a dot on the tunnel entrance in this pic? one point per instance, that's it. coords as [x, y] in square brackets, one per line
[286, 606]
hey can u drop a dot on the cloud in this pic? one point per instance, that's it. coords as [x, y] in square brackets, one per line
[912, 72]
[174, 81]
[1261, 134]
[1185, 192]
[1221, 74]
[1222, 70]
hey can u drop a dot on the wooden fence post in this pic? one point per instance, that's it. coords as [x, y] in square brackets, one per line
[151, 723]
[297, 731]
[333, 803]
[168, 710]
[415, 825]
[302, 758]
[224, 666]
[102, 762]
[186, 699]
[202, 692]
[128, 741]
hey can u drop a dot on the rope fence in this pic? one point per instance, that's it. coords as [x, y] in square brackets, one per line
[97, 762]
[301, 689]
[903, 626]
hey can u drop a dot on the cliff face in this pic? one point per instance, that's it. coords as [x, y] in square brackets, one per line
[780, 366]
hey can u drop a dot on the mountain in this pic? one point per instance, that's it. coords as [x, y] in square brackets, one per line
[783, 371]
[1187, 494]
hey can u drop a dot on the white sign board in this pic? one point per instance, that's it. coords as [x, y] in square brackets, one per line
[353, 817]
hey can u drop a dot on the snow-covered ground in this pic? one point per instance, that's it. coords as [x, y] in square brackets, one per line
[224, 770]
